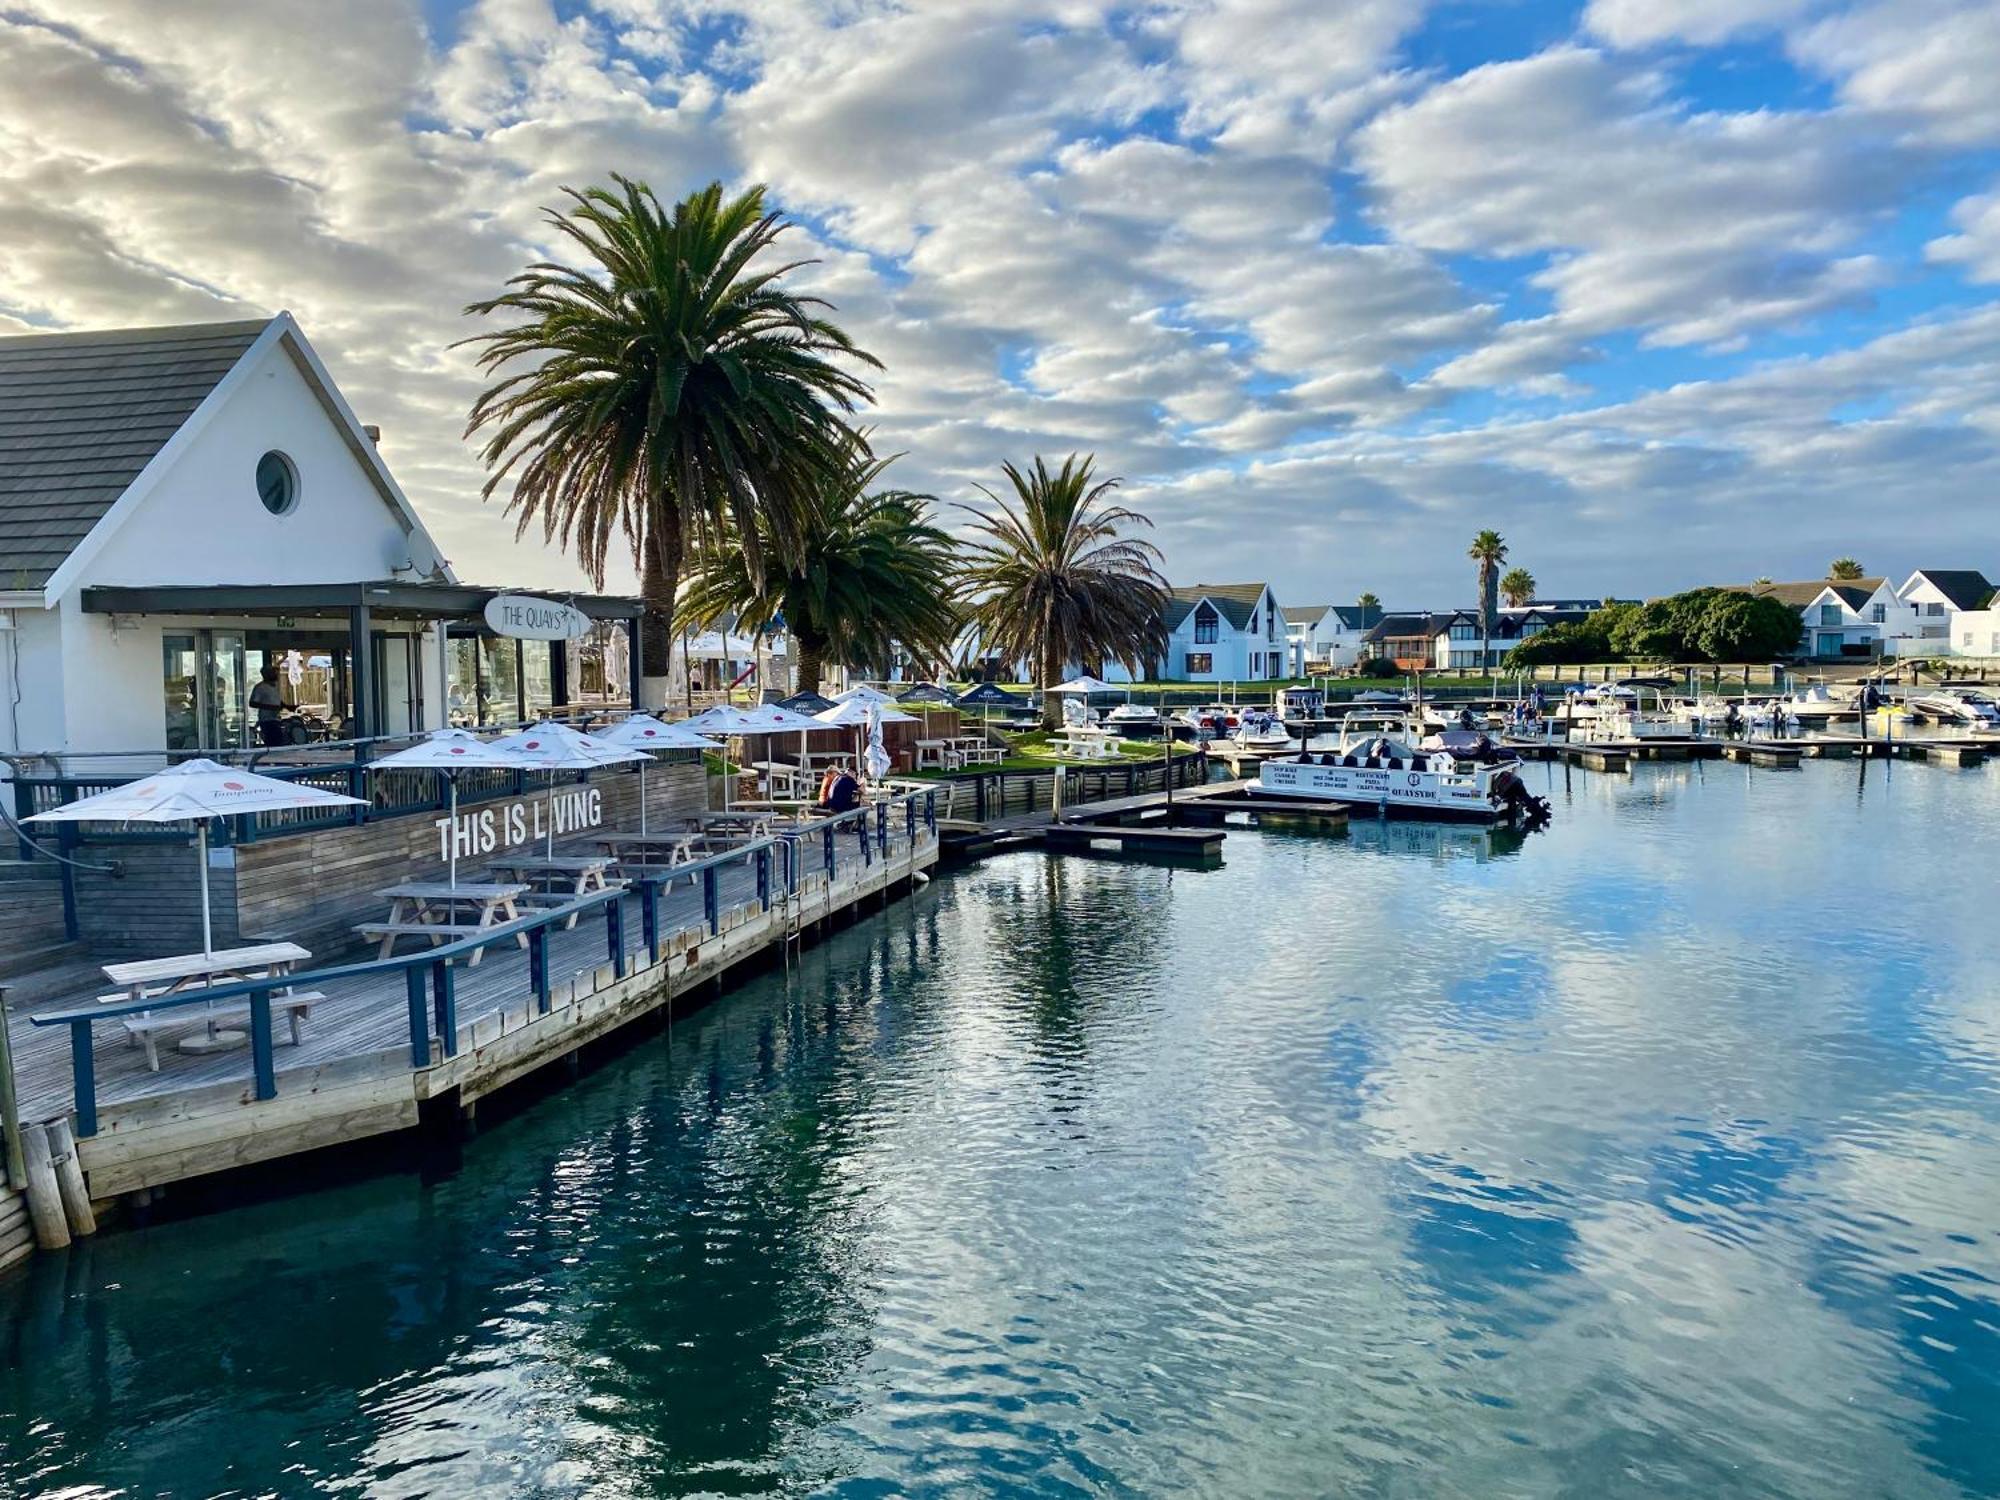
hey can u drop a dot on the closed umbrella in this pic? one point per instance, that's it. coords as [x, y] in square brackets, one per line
[856, 714]
[645, 733]
[450, 751]
[195, 791]
[878, 754]
[552, 747]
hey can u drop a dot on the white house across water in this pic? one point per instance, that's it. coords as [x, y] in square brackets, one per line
[181, 506]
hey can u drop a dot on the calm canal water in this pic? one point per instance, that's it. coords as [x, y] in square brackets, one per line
[1658, 1154]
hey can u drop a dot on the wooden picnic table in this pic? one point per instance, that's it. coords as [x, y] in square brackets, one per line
[157, 978]
[783, 777]
[563, 876]
[436, 910]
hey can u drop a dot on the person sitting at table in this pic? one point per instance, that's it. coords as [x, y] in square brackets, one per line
[839, 791]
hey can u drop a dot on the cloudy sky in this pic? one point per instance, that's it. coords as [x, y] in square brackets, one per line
[1667, 291]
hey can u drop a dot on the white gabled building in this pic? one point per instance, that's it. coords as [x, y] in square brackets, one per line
[1928, 609]
[1327, 636]
[182, 506]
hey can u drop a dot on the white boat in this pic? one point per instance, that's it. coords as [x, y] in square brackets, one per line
[1215, 719]
[1966, 707]
[1815, 706]
[1132, 716]
[1390, 775]
[1622, 717]
[1258, 729]
[1471, 747]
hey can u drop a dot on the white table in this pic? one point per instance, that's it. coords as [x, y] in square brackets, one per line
[441, 912]
[566, 876]
[157, 978]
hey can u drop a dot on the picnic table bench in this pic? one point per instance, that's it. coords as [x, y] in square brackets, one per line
[558, 879]
[431, 909]
[158, 978]
[1085, 744]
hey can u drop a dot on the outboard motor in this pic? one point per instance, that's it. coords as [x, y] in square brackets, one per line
[1522, 804]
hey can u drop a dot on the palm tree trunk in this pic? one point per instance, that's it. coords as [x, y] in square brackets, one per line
[1051, 675]
[811, 664]
[659, 582]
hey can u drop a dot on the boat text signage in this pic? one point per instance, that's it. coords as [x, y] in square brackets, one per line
[488, 830]
[526, 618]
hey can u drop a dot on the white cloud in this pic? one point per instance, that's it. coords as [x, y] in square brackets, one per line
[1976, 245]
[1643, 23]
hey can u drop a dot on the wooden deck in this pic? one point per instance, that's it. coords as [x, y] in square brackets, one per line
[352, 1075]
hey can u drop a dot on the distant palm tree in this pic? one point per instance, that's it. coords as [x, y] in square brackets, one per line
[1368, 601]
[665, 392]
[1517, 587]
[1762, 580]
[875, 575]
[1489, 550]
[1844, 569]
[1051, 580]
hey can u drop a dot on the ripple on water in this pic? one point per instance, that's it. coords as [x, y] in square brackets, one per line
[1653, 1155]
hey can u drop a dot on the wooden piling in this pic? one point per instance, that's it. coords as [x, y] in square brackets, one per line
[45, 1206]
[69, 1179]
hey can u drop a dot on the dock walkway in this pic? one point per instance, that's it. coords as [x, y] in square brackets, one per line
[354, 1075]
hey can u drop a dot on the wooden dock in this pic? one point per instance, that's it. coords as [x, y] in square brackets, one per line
[355, 1074]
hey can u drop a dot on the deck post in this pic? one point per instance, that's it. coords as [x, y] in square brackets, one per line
[979, 798]
[649, 916]
[882, 827]
[861, 832]
[420, 1020]
[444, 1004]
[261, 1064]
[791, 847]
[538, 967]
[930, 811]
[711, 900]
[826, 834]
[83, 1078]
[10, 1112]
[764, 877]
[614, 935]
[910, 820]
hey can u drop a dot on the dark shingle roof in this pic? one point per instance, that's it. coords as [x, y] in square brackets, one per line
[1304, 614]
[1358, 617]
[81, 414]
[1856, 591]
[1233, 601]
[1966, 588]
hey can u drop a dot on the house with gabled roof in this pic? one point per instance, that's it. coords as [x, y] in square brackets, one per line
[181, 507]
[1929, 603]
[1327, 637]
[1224, 632]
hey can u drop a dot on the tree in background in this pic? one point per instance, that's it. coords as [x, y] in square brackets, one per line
[1368, 601]
[665, 391]
[1517, 587]
[874, 574]
[1844, 570]
[1489, 550]
[1053, 580]
[1705, 625]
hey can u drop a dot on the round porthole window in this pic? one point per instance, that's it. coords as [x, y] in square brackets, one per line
[277, 483]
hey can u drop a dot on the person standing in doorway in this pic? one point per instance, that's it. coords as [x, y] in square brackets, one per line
[269, 701]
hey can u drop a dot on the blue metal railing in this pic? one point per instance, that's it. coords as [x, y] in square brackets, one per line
[429, 976]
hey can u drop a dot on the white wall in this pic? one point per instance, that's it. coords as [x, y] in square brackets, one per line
[1975, 632]
[203, 523]
[31, 657]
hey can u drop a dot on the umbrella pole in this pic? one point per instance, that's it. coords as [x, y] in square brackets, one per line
[207, 931]
[550, 808]
[451, 827]
[642, 797]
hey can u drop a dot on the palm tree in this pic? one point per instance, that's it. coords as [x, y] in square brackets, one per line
[875, 574]
[664, 393]
[1517, 587]
[1489, 550]
[1051, 579]
[1368, 600]
[1844, 569]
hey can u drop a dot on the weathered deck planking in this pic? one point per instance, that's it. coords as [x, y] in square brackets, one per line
[352, 1076]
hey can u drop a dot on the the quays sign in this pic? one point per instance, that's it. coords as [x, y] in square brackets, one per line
[526, 618]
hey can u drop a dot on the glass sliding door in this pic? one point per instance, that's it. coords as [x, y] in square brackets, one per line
[225, 720]
[180, 673]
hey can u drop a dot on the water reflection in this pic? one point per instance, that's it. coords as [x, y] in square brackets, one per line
[1656, 1154]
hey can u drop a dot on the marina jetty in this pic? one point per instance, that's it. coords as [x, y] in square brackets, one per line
[247, 1051]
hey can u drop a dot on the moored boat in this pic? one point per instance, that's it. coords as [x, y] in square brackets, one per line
[1128, 716]
[1258, 729]
[1965, 707]
[1379, 771]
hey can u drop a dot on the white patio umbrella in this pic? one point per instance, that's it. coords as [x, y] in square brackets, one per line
[450, 751]
[194, 791]
[552, 747]
[1086, 685]
[645, 733]
[723, 721]
[878, 761]
[858, 715]
[865, 694]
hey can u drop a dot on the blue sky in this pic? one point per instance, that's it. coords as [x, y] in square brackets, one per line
[1668, 291]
